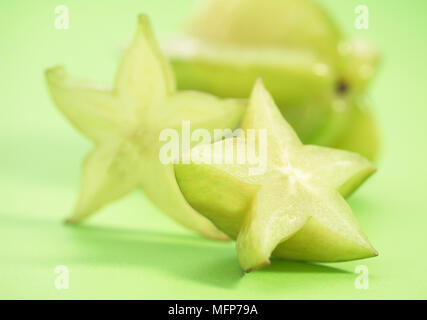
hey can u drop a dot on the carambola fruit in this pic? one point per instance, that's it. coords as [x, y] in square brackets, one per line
[125, 122]
[295, 209]
[313, 72]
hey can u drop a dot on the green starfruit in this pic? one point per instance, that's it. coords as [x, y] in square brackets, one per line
[312, 70]
[125, 123]
[294, 208]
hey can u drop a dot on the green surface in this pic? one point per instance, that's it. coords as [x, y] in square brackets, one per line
[131, 250]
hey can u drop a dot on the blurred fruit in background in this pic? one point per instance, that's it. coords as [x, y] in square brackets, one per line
[318, 77]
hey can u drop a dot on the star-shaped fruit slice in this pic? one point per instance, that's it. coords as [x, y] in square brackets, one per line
[294, 208]
[125, 124]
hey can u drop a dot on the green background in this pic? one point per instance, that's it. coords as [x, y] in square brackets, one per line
[131, 250]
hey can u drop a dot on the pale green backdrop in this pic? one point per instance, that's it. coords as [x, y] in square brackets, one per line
[131, 250]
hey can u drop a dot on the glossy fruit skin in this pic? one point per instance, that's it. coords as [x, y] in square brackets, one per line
[235, 70]
[268, 23]
[213, 57]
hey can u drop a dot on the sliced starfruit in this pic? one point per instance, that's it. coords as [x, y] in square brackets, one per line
[294, 208]
[125, 124]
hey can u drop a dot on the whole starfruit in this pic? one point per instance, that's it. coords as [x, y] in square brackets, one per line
[316, 75]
